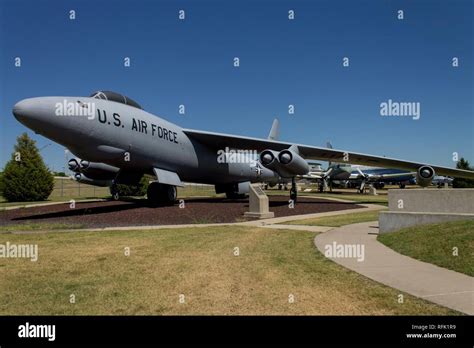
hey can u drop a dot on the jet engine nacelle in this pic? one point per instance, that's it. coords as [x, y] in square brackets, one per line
[424, 176]
[269, 159]
[287, 163]
[73, 165]
[80, 177]
[293, 162]
[100, 171]
[93, 170]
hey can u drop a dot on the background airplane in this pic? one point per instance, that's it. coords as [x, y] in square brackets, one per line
[439, 180]
[110, 129]
[358, 176]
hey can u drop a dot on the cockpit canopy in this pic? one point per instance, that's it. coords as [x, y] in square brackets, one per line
[119, 98]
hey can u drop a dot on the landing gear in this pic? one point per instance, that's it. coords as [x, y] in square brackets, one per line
[161, 194]
[325, 185]
[114, 192]
[402, 186]
[293, 191]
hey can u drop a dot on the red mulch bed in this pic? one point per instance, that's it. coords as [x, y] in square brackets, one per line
[137, 212]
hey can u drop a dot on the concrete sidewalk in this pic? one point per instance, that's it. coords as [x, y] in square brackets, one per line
[33, 205]
[439, 285]
[282, 219]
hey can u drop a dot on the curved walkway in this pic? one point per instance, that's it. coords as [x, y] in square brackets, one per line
[380, 263]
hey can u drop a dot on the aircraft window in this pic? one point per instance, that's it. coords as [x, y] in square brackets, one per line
[99, 95]
[112, 96]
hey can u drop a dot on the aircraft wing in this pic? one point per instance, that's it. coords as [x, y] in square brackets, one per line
[390, 176]
[310, 176]
[221, 141]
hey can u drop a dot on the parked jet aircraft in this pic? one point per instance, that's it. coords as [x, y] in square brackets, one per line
[441, 180]
[356, 174]
[119, 141]
[378, 177]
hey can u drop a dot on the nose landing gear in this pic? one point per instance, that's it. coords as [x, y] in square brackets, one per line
[293, 191]
[114, 192]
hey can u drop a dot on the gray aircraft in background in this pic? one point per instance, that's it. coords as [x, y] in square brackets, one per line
[118, 142]
[344, 172]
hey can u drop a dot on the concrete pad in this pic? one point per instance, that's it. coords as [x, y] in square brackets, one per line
[432, 200]
[439, 285]
[426, 206]
[391, 221]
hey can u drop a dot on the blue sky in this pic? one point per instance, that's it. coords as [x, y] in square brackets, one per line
[282, 62]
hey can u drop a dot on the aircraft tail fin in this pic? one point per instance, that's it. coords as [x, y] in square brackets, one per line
[329, 146]
[275, 130]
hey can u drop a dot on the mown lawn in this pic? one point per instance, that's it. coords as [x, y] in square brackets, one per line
[437, 244]
[195, 265]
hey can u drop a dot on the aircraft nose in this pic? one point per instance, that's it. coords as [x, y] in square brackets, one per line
[41, 115]
[23, 109]
[34, 113]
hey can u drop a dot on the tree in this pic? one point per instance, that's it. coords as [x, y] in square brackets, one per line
[26, 177]
[1, 183]
[463, 183]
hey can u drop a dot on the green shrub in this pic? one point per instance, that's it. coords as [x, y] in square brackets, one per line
[26, 177]
[134, 190]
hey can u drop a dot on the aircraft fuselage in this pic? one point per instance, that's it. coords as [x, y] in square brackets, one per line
[131, 139]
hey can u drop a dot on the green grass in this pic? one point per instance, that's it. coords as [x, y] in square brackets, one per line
[196, 262]
[338, 220]
[357, 198]
[435, 243]
[197, 190]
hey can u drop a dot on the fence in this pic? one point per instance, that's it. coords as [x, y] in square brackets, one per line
[66, 187]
